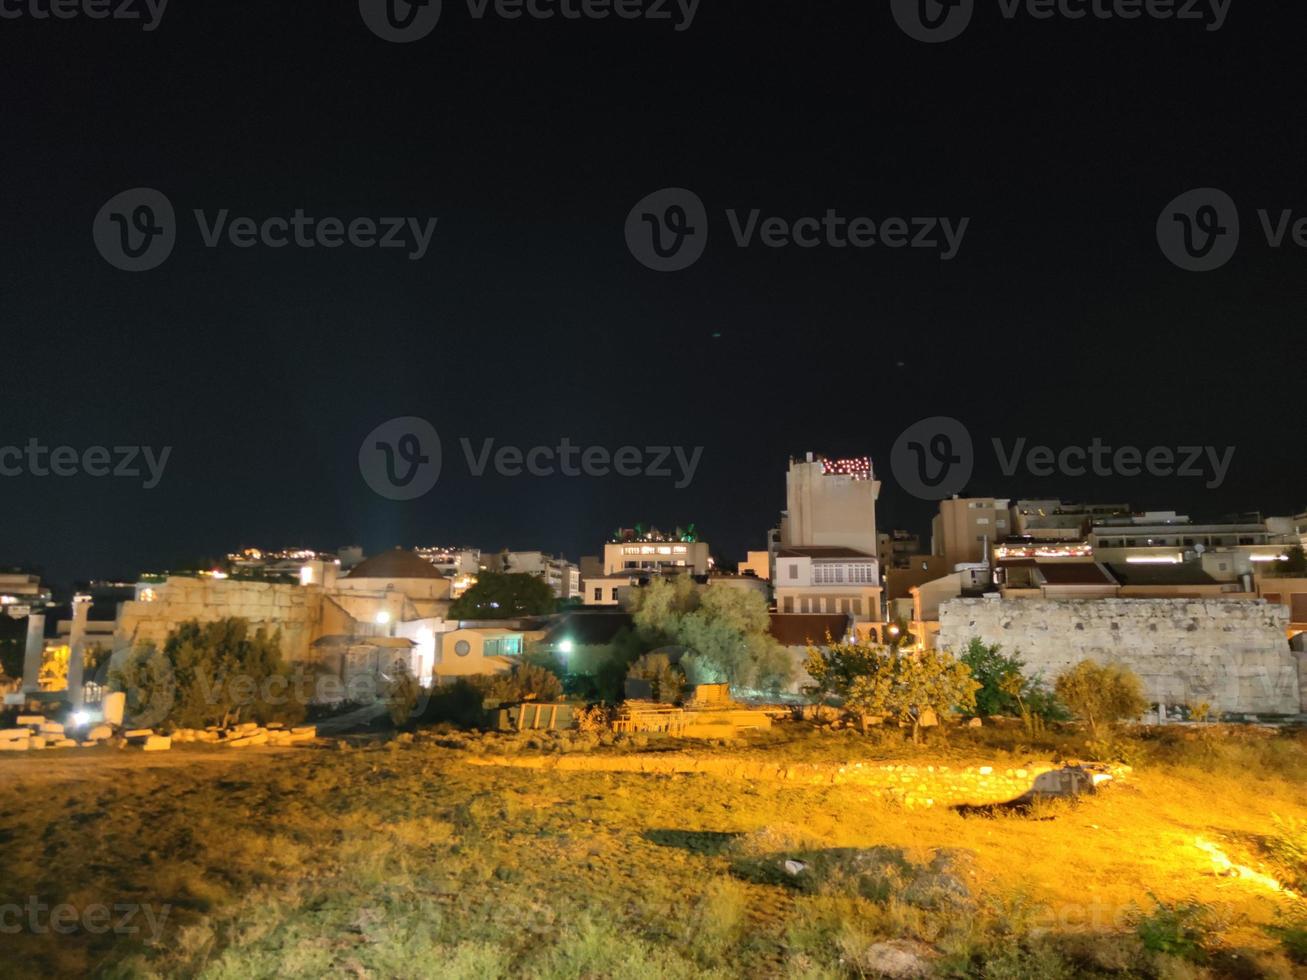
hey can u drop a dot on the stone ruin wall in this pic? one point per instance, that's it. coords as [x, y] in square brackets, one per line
[295, 610]
[1232, 654]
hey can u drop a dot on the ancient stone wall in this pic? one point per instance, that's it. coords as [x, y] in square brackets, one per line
[294, 610]
[1231, 654]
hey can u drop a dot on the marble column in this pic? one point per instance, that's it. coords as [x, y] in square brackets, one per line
[77, 649]
[34, 652]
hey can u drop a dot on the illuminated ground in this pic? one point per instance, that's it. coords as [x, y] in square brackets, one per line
[403, 860]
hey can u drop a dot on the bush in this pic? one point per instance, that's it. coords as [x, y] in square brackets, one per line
[1101, 694]
[1188, 930]
[902, 684]
[208, 674]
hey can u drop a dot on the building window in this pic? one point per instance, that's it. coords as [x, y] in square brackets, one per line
[613, 594]
[794, 570]
[599, 595]
[462, 648]
[857, 607]
[788, 604]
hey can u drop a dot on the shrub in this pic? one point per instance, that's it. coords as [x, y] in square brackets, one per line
[209, 674]
[1101, 694]
[903, 684]
[665, 679]
[1188, 930]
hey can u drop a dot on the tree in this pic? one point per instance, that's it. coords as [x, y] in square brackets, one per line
[1294, 565]
[665, 678]
[504, 596]
[208, 674]
[902, 684]
[1101, 694]
[11, 657]
[525, 682]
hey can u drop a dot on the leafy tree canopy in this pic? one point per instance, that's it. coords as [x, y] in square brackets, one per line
[504, 596]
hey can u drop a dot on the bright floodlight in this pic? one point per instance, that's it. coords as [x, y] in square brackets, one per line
[565, 647]
[383, 618]
[80, 718]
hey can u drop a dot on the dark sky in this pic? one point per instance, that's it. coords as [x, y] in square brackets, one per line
[529, 320]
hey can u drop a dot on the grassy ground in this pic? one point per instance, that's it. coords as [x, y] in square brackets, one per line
[403, 860]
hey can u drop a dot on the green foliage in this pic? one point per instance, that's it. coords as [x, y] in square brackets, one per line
[725, 628]
[1292, 933]
[11, 657]
[901, 684]
[1100, 694]
[525, 682]
[1287, 849]
[665, 678]
[504, 596]
[208, 674]
[1294, 567]
[1006, 690]
[1188, 930]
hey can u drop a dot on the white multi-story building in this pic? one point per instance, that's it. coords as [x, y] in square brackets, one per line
[826, 557]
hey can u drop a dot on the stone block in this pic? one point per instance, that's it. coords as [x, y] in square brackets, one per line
[11, 733]
[138, 733]
[52, 728]
[157, 743]
[15, 745]
[37, 720]
[99, 732]
[114, 707]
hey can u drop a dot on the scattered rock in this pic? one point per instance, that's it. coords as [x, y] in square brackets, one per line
[975, 723]
[900, 959]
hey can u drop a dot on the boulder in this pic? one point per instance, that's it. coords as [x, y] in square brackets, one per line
[99, 732]
[898, 958]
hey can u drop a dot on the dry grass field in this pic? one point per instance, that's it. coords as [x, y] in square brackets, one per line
[405, 859]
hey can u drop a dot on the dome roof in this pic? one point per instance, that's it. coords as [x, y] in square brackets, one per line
[396, 563]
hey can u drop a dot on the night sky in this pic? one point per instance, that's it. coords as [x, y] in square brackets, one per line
[529, 320]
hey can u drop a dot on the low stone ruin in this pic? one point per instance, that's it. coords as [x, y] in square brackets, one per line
[37, 732]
